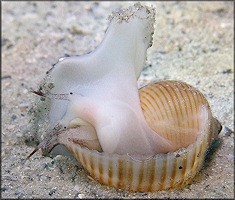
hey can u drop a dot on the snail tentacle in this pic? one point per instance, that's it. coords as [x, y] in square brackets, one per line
[84, 135]
[54, 96]
[49, 142]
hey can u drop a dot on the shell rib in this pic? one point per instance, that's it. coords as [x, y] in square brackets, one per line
[163, 171]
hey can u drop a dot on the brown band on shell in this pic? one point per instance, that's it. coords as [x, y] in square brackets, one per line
[148, 108]
[101, 172]
[163, 175]
[121, 173]
[84, 159]
[179, 102]
[151, 105]
[186, 90]
[194, 163]
[163, 98]
[77, 154]
[170, 96]
[151, 93]
[91, 164]
[196, 110]
[82, 143]
[156, 96]
[141, 175]
[174, 171]
[184, 169]
[130, 175]
[174, 112]
[110, 172]
[151, 174]
[186, 98]
[210, 136]
[183, 99]
[168, 99]
[201, 153]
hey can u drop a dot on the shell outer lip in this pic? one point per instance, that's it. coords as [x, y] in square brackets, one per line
[187, 162]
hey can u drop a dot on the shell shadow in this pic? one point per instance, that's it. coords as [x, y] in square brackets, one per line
[214, 147]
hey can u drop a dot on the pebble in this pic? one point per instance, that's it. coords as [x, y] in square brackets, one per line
[25, 91]
[93, 192]
[81, 196]
[142, 193]
[227, 71]
[22, 161]
[8, 178]
[24, 104]
[90, 177]
[45, 165]
[7, 84]
[17, 192]
[77, 188]
[6, 77]
[21, 196]
[197, 82]
[13, 117]
[10, 127]
[4, 41]
[52, 191]
[30, 60]
[76, 195]
[19, 134]
[4, 189]
[59, 158]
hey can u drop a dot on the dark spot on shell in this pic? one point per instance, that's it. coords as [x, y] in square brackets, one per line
[177, 155]
[70, 93]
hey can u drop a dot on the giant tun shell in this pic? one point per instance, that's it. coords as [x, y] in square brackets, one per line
[163, 171]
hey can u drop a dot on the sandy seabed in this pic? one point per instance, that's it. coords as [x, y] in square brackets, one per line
[193, 42]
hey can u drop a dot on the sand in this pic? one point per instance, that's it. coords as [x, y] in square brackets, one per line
[193, 42]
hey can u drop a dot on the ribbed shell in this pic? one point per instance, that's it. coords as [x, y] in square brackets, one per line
[173, 110]
[166, 100]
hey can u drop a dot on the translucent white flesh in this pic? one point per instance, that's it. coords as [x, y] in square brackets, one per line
[104, 89]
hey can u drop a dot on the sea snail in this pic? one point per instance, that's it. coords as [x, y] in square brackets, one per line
[150, 139]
